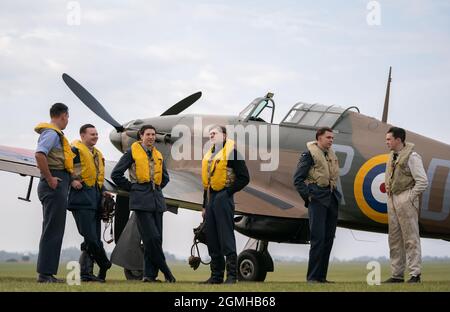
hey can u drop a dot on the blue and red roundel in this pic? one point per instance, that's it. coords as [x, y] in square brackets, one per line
[370, 190]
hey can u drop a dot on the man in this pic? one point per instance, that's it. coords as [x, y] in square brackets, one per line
[148, 177]
[405, 181]
[316, 180]
[224, 173]
[54, 159]
[85, 198]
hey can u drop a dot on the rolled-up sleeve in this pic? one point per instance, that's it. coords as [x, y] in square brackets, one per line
[415, 164]
[47, 140]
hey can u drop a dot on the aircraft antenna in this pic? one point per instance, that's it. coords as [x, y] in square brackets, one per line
[386, 99]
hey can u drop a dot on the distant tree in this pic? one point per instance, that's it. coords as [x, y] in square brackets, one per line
[11, 260]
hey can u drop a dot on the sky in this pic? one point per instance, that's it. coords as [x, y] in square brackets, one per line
[140, 57]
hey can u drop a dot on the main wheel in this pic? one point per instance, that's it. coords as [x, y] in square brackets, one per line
[251, 266]
[133, 275]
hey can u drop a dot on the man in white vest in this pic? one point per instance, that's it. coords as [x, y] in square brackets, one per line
[405, 181]
[316, 180]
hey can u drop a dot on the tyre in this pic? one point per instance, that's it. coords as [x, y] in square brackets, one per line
[251, 266]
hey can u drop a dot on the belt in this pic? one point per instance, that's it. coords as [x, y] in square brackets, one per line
[151, 185]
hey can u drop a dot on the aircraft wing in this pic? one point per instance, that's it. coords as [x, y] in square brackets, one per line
[184, 190]
[18, 160]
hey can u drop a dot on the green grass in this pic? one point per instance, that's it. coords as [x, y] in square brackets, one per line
[287, 277]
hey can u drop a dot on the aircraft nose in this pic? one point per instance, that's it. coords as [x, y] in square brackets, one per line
[116, 139]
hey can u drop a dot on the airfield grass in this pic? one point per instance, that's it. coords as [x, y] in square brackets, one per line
[349, 276]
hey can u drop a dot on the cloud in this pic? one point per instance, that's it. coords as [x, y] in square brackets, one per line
[173, 53]
[44, 34]
[263, 76]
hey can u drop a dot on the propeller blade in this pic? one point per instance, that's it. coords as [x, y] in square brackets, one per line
[183, 104]
[91, 102]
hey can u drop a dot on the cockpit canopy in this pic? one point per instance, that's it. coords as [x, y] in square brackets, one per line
[314, 116]
[260, 109]
[301, 115]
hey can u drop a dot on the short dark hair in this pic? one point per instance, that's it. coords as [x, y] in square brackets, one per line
[322, 130]
[398, 133]
[58, 109]
[84, 127]
[142, 130]
[222, 128]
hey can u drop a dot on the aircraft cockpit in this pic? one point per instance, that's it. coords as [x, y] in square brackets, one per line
[260, 109]
[314, 116]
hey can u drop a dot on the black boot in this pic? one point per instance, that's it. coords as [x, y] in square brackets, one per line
[103, 269]
[217, 272]
[102, 261]
[87, 268]
[170, 278]
[168, 274]
[231, 265]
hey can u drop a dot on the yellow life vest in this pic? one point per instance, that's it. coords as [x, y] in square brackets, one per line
[143, 166]
[67, 150]
[215, 173]
[90, 174]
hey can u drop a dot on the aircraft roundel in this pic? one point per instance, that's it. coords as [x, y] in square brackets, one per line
[370, 190]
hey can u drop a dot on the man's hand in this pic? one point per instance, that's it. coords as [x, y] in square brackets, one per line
[53, 182]
[203, 213]
[107, 194]
[76, 184]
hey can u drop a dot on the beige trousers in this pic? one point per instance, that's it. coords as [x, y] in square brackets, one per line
[404, 237]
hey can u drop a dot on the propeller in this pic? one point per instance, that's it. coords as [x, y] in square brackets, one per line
[95, 106]
[91, 102]
[183, 104]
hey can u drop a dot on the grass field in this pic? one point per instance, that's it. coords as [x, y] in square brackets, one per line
[287, 277]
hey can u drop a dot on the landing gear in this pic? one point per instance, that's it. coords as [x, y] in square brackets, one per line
[254, 263]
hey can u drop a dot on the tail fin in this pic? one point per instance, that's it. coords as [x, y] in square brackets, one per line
[386, 99]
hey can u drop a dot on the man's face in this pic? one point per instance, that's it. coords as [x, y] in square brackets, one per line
[148, 137]
[216, 136]
[62, 121]
[326, 140]
[89, 137]
[392, 143]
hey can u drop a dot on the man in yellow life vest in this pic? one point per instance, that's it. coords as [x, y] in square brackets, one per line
[316, 180]
[54, 159]
[85, 197]
[148, 176]
[405, 181]
[224, 173]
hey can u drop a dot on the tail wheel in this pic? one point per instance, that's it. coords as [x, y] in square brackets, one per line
[251, 266]
[133, 275]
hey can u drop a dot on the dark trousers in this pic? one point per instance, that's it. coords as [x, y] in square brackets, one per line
[54, 205]
[322, 224]
[89, 226]
[220, 238]
[150, 228]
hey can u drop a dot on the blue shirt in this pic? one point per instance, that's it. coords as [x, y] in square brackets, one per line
[48, 140]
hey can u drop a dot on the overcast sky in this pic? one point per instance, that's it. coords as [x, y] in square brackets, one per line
[140, 57]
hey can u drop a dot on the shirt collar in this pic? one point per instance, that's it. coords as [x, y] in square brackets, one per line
[146, 149]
